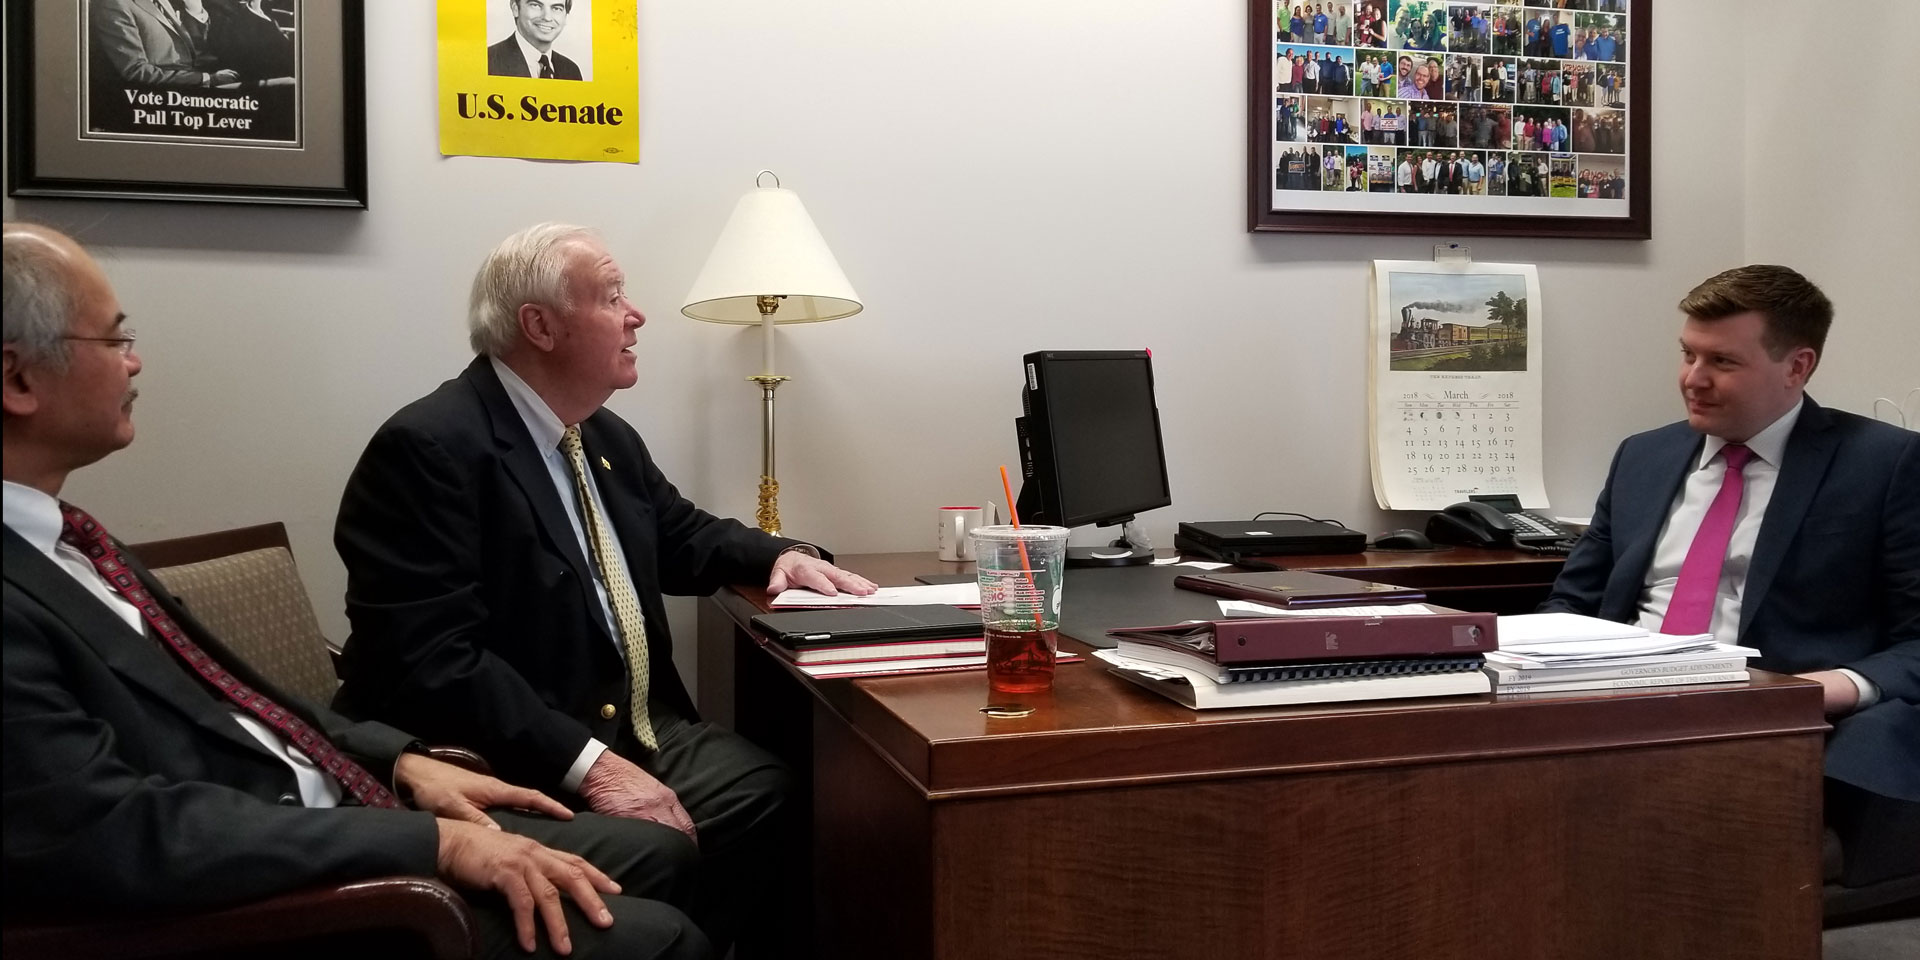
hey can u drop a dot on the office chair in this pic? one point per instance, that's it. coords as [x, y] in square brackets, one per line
[243, 585]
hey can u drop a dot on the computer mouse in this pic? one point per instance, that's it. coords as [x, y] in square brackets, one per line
[1402, 540]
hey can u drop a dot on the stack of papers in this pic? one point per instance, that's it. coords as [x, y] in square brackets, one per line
[1247, 608]
[1202, 691]
[1554, 652]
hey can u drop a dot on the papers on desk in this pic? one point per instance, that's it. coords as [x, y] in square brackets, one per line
[1247, 608]
[1539, 628]
[954, 594]
[1202, 692]
[1558, 652]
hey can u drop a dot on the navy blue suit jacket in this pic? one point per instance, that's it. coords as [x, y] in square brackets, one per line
[1835, 577]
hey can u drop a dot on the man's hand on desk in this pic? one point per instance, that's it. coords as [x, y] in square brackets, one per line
[614, 787]
[796, 569]
[1841, 693]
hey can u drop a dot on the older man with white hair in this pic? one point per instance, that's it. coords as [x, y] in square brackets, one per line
[150, 769]
[507, 542]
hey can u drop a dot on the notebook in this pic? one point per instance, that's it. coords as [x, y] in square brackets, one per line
[803, 628]
[1296, 588]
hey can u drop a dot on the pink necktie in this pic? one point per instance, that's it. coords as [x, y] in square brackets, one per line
[1691, 609]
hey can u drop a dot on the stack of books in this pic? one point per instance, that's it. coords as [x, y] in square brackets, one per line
[1565, 652]
[879, 640]
[1324, 655]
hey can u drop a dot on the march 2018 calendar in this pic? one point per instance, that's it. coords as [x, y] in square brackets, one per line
[1455, 383]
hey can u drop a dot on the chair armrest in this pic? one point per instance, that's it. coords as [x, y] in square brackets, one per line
[461, 757]
[425, 907]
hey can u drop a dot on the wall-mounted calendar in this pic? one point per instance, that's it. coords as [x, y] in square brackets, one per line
[1454, 374]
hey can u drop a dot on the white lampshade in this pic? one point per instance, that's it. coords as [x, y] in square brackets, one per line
[770, 248]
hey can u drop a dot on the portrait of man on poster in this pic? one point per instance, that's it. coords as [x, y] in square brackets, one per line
[529, 51]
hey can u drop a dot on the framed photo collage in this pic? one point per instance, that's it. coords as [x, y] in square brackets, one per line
[1378, 115]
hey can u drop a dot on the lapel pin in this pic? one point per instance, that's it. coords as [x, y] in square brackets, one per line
[604, 465]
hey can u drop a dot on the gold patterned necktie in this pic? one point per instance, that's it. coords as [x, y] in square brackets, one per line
[613, 575]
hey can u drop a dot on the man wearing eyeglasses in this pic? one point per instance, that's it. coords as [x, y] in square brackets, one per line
[150, 769]
[529, 52]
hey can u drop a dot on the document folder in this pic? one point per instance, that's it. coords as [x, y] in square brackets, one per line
[803, 628]
[1301, 639]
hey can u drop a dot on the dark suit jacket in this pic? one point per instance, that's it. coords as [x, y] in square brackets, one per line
[504, 60]
[473, 608]
[129, 785]
[1835, 577]
[134, 41]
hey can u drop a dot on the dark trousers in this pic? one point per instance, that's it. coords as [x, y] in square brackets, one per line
[1879, 837]
[655, 867]
[737, 796]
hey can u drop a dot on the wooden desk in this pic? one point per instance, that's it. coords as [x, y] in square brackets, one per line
[1673, 822]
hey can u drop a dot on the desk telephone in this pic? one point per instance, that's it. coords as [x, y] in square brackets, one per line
[1497, 521]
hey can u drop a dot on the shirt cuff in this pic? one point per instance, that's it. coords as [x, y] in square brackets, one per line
[581, 764]
[1869, 692]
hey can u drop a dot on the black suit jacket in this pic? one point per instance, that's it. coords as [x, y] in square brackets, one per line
[473, 607]
[505, 60]
[1835, 576]
[129, 785]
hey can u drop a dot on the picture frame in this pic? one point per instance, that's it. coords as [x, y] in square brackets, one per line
[252, 101]
[1555, 91]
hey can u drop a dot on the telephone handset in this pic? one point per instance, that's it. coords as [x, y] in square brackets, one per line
[1497, 521]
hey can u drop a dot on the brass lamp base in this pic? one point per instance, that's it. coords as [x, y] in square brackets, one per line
[768, 515]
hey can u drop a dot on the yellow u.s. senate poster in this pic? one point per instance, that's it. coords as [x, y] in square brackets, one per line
[542, 79]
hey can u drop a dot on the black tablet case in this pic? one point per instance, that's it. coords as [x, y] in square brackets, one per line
[809, 628]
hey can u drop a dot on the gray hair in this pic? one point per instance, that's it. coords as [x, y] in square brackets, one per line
[38, 298]
[528, 267]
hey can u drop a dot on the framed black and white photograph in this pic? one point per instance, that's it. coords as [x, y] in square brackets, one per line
[1500, 119]
[227, 101]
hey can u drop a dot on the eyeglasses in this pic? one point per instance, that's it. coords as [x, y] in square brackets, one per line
[123, 343]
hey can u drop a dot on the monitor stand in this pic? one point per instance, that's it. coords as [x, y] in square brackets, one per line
[1131, 549]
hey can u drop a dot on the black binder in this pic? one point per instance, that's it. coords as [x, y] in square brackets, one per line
[1338, 669]
[812, 628]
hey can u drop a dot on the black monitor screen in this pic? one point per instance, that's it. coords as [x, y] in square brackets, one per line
[1093, 451]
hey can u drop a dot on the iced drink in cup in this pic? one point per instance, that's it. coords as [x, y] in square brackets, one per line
[1020, 570]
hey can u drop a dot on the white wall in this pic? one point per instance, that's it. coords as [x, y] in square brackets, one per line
[1846, 213]
[995, 179]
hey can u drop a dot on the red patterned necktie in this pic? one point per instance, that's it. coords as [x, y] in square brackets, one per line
[1697, 591]
[85, 534]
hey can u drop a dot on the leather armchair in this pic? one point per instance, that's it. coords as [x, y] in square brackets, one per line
[410, 916]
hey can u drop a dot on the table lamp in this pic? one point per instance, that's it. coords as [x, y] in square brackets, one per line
[770, 266]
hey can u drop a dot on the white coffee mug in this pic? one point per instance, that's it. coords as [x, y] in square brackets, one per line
[956, 523]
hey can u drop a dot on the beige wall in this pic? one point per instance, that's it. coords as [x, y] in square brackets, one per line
[996, 179]
[1831, 189]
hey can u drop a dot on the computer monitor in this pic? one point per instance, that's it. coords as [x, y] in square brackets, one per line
[1090, 448]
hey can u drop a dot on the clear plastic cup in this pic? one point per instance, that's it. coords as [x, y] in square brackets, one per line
[1020, 571]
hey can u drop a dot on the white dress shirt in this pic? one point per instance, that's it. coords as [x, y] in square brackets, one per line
[36, 518]
[1689, 510]
[533, 56]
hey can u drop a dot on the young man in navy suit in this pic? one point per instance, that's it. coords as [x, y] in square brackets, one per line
[1770, 521]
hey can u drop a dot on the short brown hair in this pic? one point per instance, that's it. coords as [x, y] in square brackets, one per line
[1797, 314]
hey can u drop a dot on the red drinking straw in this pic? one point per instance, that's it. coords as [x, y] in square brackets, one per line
[1025, 567]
